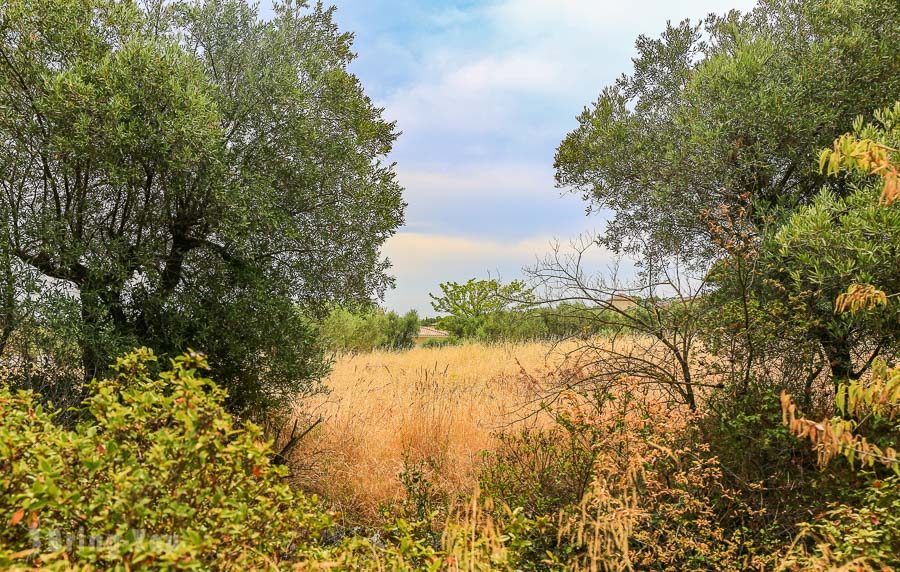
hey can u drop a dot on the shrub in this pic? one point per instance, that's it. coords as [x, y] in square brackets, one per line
[441, 342]
[658, 500]
[541, 470]
[864, 532]
[156, 474]
[772, 475]
[619, 483]
[346, 331]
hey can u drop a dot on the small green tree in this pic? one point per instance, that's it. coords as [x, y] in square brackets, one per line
[819, 251]
[401, 331]
[472, 303]
[808, 263]
[865, 430]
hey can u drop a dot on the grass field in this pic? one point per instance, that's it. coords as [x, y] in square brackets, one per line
[432, 408]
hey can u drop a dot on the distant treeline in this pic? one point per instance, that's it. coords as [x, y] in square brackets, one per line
[345, 330]
[520, 325]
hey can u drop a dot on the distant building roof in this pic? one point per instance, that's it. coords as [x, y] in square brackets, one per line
[429, 332]
[621, 301]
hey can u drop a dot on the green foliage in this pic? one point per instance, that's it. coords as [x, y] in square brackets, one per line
[157, 474]
[473, 304]
[865, 432]
[772, 475]
[865, 531]
[524, 324]
[441, 342]
[707, 152]
[732, 111]
[806, 264]
[562, 321]
[346, 331]
[478, 298]
[820, 250]
[183, 174]
[781, 294]
[752, 340]
[542, 471]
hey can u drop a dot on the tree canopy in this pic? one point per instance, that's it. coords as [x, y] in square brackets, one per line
[186, 174]
[477, 298]
[834, 242]
[732, 112]
[472, 304]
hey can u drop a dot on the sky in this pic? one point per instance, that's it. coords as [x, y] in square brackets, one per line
[483, 93]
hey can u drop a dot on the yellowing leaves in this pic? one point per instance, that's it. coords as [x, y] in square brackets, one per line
[860, 297]
[891, 187]
[878, 397]
[864, 156]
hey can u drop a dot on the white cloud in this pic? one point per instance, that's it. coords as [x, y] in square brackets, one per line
[483, 94]
[561, 52]
[500, 181]
[598, 16]
[414, 247]
[515, 71]
[473, 97]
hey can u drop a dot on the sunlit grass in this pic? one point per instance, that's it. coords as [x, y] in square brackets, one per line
[437, 408]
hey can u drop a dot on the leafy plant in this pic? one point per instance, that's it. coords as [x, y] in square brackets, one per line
[346, 331]
[470, 305]
[157, 474]
[726, 111]
[865, 532]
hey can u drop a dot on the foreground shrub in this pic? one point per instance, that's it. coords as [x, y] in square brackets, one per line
[620, 483]
[658, 500]
[863, 535]
[865, 432]
[156, 474]
[864, 435]
[541, 470]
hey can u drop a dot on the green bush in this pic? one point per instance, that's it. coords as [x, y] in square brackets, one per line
[822, 249]
[441, 342]
[347, 331]
[771, 477]
[865, 531]
[541, 470]
[156, 474]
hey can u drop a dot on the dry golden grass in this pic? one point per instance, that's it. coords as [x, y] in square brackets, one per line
[431, 407]
[441, 408]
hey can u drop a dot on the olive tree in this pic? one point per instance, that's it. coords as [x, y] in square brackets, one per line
[185, 174]
[708, 152]
[730, 111]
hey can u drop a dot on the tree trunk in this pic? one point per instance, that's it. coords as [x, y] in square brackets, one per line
[840, 359]
[93, 359]
[688, 385]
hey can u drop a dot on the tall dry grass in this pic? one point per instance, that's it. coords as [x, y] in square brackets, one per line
[431, 408]
[652, 496]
